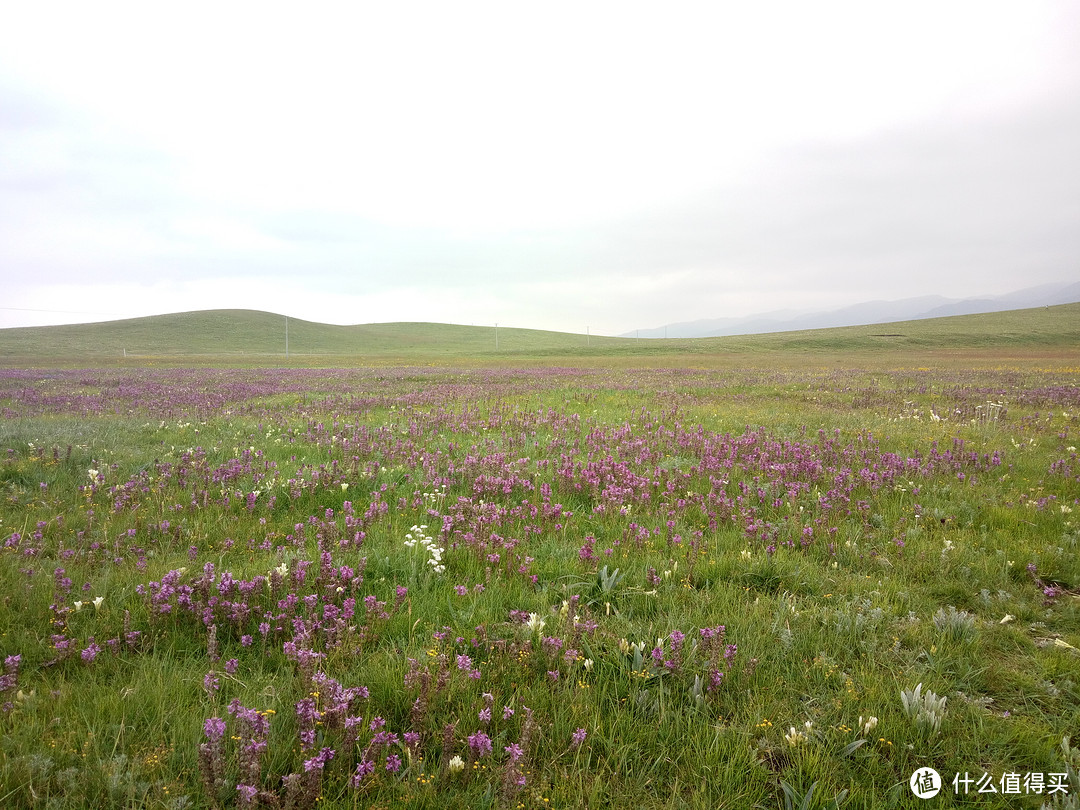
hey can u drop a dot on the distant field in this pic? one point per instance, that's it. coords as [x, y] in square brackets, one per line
[250, 338]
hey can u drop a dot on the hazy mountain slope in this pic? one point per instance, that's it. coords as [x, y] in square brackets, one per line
[868, 312]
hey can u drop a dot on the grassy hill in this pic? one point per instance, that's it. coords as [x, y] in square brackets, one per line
[259, 338]
[248, 332]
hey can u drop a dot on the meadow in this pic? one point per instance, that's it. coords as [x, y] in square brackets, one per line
[252, 338]
[539, 586]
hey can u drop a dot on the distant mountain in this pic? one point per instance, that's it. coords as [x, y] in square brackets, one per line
[868, 312]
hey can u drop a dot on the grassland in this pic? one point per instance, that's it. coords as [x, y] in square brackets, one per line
[682, 579]
[241, 337]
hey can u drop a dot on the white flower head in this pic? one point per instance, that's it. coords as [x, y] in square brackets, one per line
[97, 602]
[535, 623]
[457, 764]
[794, 737]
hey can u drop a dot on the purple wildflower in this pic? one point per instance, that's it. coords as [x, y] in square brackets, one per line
[91, 651]
[214, 728]
[247, 793]
[317, 763]
[363, 768]
[479, 744]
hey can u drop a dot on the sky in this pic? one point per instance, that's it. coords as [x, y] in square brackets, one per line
[570, 166]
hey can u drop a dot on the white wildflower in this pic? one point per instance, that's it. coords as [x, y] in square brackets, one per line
[794, 737]
[535, 623]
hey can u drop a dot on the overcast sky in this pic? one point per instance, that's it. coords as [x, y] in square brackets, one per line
[549, 165]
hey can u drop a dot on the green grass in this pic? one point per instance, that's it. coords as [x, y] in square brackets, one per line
[910, 583]
[235, 333]
[246, 337]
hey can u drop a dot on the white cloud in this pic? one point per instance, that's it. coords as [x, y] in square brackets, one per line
[531, 163]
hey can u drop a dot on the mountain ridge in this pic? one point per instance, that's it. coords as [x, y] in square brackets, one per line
[866, 313]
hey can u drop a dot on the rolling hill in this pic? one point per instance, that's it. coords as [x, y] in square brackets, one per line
[259, 338]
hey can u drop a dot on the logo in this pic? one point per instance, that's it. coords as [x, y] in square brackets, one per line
[925, 783]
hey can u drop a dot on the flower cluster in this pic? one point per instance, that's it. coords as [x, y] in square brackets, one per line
[9, 679]
[418, 537]
[796, 737]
